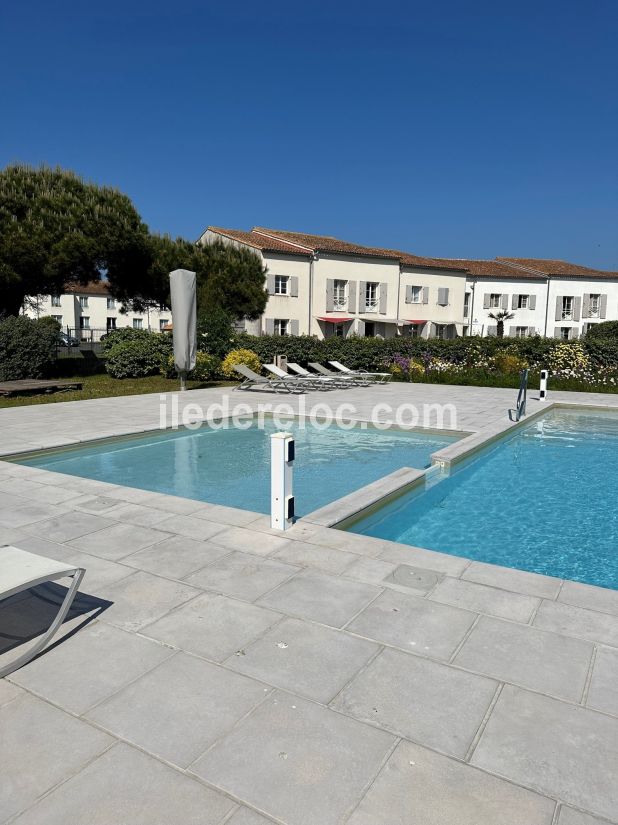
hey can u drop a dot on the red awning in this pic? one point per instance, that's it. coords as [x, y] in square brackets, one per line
[339, 319]
[424, 321]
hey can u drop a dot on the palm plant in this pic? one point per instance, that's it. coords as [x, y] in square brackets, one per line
[500, 317]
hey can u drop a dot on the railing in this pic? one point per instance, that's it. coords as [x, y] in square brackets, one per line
[520, 407]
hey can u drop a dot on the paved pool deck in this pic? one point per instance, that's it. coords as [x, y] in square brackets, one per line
[216, 672]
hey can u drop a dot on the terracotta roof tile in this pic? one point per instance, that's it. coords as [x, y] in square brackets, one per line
[555, 268]
[92, 288]
[495, 269]
[259, 241]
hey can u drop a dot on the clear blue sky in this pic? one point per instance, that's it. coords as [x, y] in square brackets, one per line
[443, 128]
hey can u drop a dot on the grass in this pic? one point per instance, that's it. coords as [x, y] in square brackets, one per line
[104, 386]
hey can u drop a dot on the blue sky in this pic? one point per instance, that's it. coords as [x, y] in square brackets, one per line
[445, 128]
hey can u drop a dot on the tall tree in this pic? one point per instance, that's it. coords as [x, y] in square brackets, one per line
[55, 228]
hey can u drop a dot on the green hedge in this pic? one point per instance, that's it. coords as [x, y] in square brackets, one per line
[27, 348]
[135, 353]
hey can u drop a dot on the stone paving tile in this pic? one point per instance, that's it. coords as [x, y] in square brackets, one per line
[68, 526]
[304, 658]
[175, 557]
[118, 541]
[371, 571]
[419, 787]
[97, 505]
[41, 746]
[225, 515]
[191, 527]
[41, 493]
[213, 626]
[518, 581]
[430, 703]
[138, 514]
[142, 598]
[585, 595]
[569, 816]
[173, 504]
[578, 621]
[296, 761]
[603, 691]
[245, 816]
[415, 579]
[127, 786]
[241, 538]
[242, 575]
[198, 701]
[8, 692]
[483, 599]
[327, 559]
[562, 750]
[428, 559]
[327, 599]
[527, 657]
[414, 624]
[90, 666]
[17, 512]
[351, 542]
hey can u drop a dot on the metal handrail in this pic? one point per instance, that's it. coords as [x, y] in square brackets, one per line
[520, 407]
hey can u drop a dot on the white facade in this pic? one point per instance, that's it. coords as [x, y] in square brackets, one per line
[91, 311]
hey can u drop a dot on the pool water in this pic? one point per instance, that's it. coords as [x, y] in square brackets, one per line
[545, 500]
[232, 466]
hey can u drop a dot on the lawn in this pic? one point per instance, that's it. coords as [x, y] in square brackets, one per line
[104, 386]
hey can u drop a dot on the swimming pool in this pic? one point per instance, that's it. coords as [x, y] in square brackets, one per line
[543, 500]
[232, 466]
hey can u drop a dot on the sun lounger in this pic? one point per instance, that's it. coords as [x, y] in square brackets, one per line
[378, 377]
[21, 570]
[252, 379]
[355, 380]
[312, 382]
[326, 381]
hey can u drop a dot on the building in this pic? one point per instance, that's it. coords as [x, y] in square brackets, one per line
[87, 312]
[323, 286]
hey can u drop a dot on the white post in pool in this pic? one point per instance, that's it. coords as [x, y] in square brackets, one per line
[543, 385]
[281, 481]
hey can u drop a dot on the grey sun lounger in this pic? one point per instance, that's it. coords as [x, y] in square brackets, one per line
[325, 381]
[21, 570]
[251, 380]
[378, 377]
[350, 380]
[312, 382]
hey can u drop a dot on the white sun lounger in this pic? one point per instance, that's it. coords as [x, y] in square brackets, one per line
[326, 381]
[252, 379]
[21, 570]
[378, 377]
[312, 382]
[354, 380]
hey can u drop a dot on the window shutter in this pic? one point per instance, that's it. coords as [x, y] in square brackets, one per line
[556, 332]
[532, 301]
[294, 286]
[603, 306]
[514, 301]
[442, 296]
[270, 284]
[361, 327]
[512, 331]
[577, 308]
[559, 308]
[504, 301]
[531, 331]
[294, 327]
[486, 300]
[492, 329]
[383, 298]
[362, 306]
[269, 326]
[425, 294]
[573, 333]
[408, 295]
[351, 296]
[431, 330]
[330, 294]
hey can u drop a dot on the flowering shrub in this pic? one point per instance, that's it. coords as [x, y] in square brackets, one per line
[205, 369]
[568, 359]
[509, 363]
[240, 356]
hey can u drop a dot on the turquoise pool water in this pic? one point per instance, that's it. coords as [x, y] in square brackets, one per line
[232, 466]
[545, 500]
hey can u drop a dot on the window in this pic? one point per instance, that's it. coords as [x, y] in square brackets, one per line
[281, 284]
[163, 322]
[466, 310]
[495, 300]
[567, 309]
[111, 303]
[595, 306]
[83, 301]
[84, 322]
[522, 302]
[416, 294]
[138, 323]
[371, 296]
[370, 329]
[441, 331]
[281, 326]
[521, 332]
[57, 318]
[340, 294]
[565, 333]
[415, 330]
[55, 300]
[111, 323]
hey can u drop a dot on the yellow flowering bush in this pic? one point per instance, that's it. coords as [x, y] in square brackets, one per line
[568, 358]
[506, 362]
[240, 356]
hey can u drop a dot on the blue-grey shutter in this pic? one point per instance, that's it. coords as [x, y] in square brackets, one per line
[408, 295]
[531, 331]
[514, 301]
[330, 294]
[577, 309]
[362, 296]
[270, 284]
[269, 326]
[383, 299]
[586, 305]
[492, 329]
[505, 301]
[425, 294]
[532, 301]
[512, 332]
[351, 296]
[603, 306]
[558, 307]
[443, 296]
[486, 300]
[361, 327]
[294, 286]
[294, 327]
[557, 332]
